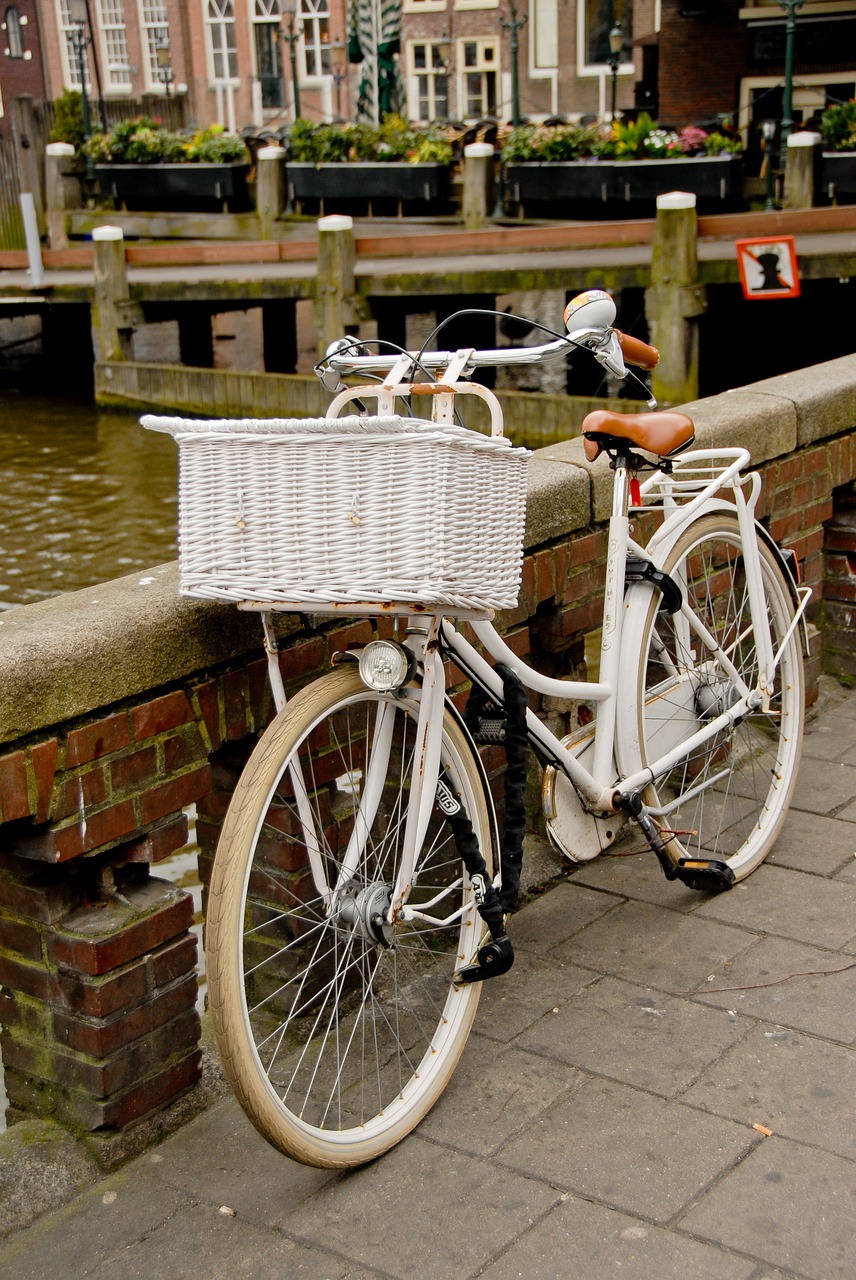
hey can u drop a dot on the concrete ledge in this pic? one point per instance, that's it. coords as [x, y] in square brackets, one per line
[766, 425]
[64, 657]
[823, 397]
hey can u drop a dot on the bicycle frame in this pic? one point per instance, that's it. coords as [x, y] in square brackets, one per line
[683, 493]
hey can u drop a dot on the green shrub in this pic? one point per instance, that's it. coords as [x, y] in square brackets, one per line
[838, 126]
[68, 119]
[146, 141]
[394, 139]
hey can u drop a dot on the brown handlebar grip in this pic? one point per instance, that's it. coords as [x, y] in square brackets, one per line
[637, 352]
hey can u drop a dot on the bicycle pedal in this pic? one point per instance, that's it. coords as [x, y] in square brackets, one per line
[494, 958]
[706, 875]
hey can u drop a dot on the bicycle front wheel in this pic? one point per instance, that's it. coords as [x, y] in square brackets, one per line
[728, 799]
[337, 1031]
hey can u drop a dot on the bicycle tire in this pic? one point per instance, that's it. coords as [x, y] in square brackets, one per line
[729, 799]
[335, 1044]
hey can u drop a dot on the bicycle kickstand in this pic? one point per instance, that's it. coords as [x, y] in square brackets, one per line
[708, 875]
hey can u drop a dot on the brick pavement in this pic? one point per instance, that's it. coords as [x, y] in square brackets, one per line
[602, 1121]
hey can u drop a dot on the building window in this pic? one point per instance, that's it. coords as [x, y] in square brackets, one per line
[315, 19]
[544, 39]
[428, 75]
[479, 61]
[267, 19]
[600, 16]
[14, 33]
[111, 21]
[155, 32]
[72, 64]
[222, 48]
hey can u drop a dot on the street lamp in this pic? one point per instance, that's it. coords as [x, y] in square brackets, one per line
[78, 16]
[768, 133]
[616, 39]
[292, 35]
[340, 74]
[790, 7]
[166, 75]
[513, 24]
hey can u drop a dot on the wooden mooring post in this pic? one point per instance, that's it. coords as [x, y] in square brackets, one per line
[675, 299]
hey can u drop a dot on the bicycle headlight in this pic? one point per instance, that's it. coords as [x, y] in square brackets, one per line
[385, 665]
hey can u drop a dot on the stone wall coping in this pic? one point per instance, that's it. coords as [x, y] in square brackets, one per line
[69, 656]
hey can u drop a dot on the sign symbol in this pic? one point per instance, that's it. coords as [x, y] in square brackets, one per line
[768, 267]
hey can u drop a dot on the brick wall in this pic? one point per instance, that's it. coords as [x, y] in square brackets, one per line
[123, 705]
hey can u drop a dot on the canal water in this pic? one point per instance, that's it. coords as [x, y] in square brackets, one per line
[87, 495]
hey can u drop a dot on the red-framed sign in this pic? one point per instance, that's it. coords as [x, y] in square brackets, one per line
[768, 267]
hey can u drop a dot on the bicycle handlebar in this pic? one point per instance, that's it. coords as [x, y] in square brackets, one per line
[634, 350]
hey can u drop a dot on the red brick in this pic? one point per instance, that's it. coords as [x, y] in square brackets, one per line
[99, 997]
[207, 697]
[21, 937]
[96, 940]
[235, 704]
[101, 1038]
[30, 978]
[104, 827]
[43, 758]
[151, 1094]
[14, 800]
[176, 794]
[166, 839]
[45, 903]
[101, 738]
[588, 547]
[167, 712]
[80, 793]
[184, 749]
[545, 574]
[308, 657]
[134, 771]
[261, 704]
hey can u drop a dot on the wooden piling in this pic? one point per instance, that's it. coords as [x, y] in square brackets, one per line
[675, 299]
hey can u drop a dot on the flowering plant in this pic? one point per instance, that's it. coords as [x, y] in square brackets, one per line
[146, 141]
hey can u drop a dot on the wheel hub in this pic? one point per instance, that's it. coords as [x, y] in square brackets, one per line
[364, 912]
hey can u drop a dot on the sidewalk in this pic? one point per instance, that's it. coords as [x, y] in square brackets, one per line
[610, 1116]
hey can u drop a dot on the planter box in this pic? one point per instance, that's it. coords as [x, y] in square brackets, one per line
[622, 182]
[204, 188]
[362, 181]
[838, 177]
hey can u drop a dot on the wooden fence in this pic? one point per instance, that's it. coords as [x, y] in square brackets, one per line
[11, 222]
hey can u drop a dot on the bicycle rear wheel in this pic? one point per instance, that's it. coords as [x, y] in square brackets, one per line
[728, 799]
[339, 1033]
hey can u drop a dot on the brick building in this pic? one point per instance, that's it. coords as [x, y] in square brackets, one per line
[231, 58]
[21, 69]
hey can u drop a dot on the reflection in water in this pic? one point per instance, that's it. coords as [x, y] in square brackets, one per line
[88, 495]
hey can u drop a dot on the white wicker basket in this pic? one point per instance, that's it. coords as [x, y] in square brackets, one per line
[343, 511]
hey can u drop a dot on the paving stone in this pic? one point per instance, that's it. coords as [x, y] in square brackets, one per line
[794, 1084]
[533, 986]
[638, 876]
[97, 1225]
[222, 1158]
[636, 1035]
[847, 874]
[588, 1241]
[205, 1242]
[831, 738]
[661, 948]
[390, 1214]
[788, 1205]
[775, 900]
[762, 984]
[811, 843]
[636, 1152]
[823, 787]
[494, 1095]
[557, 916]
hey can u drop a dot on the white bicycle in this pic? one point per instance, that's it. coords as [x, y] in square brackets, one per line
[361, 889]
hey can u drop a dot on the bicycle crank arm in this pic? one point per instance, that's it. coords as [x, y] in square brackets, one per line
[708, 875]
[494, 958]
